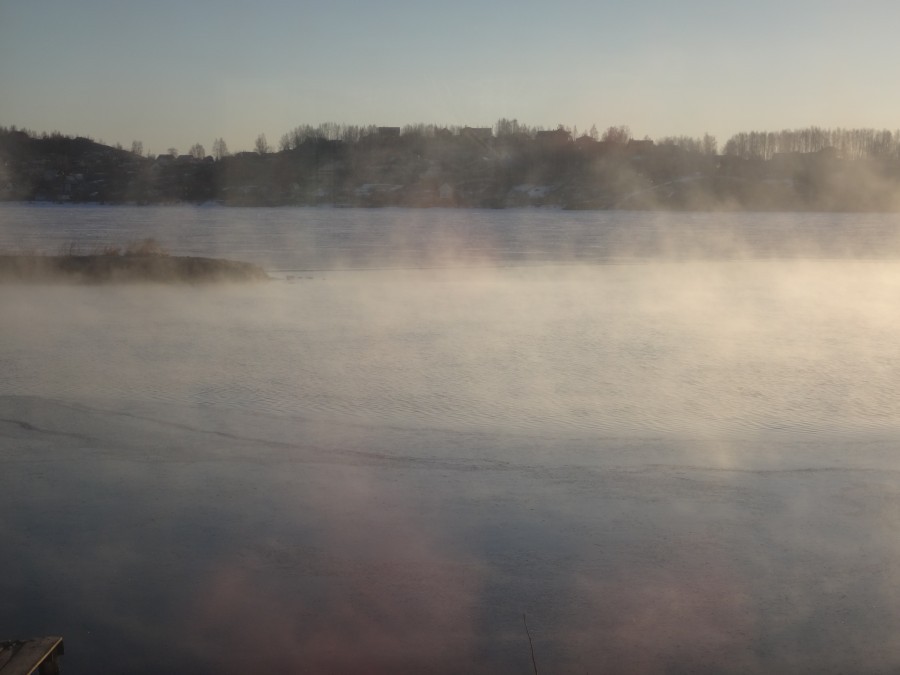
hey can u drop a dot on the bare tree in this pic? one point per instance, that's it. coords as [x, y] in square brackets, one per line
[172, 152]
[220, 149]
[619, 135]
[197, 151]
[137, 148]
[261, 145]
[506, 127]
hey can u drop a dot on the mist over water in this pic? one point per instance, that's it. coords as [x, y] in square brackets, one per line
[670, 440]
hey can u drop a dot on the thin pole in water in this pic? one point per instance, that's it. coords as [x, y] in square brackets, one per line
[530, 644]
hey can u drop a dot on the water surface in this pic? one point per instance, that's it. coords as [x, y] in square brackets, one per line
[669, 459]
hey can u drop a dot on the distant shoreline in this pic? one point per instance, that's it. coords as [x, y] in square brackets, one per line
[130, 268]
[726, 208]
[831, 170]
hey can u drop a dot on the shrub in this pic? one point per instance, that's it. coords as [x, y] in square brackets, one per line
[148, 246]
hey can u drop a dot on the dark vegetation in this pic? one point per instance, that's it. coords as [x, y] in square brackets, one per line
[139, 262]
[509, 164]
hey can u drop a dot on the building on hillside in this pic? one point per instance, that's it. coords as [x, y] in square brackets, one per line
[555, 138]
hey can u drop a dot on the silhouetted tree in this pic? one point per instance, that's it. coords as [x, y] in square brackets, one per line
[848, 143]
[197, 151]
[220, 149]
[507, 127]
[261, 145]
[619, 135]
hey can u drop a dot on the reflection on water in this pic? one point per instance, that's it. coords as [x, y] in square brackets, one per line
[669, 466]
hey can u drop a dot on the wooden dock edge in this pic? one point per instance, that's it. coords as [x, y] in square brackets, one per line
[25, 657]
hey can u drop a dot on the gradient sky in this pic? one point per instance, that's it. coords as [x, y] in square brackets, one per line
[177, 72]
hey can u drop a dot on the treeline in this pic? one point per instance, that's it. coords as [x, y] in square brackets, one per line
[760, 145]
[844, 143]
[352, 133]
[504, 129]
[507, 164]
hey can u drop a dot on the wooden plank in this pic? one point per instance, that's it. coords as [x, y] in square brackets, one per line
[24, 657]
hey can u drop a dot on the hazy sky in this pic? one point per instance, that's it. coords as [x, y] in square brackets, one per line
[172, 73]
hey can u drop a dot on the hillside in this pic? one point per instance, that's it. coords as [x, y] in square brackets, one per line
[425, 167]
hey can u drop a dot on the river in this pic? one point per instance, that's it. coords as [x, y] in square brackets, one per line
[668, 440]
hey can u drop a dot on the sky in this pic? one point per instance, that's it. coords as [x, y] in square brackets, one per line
[172, 73]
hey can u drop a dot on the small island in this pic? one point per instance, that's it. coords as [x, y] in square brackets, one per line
[145, 261]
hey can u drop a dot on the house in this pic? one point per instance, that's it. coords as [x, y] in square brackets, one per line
[446, 192]
[555, 138]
